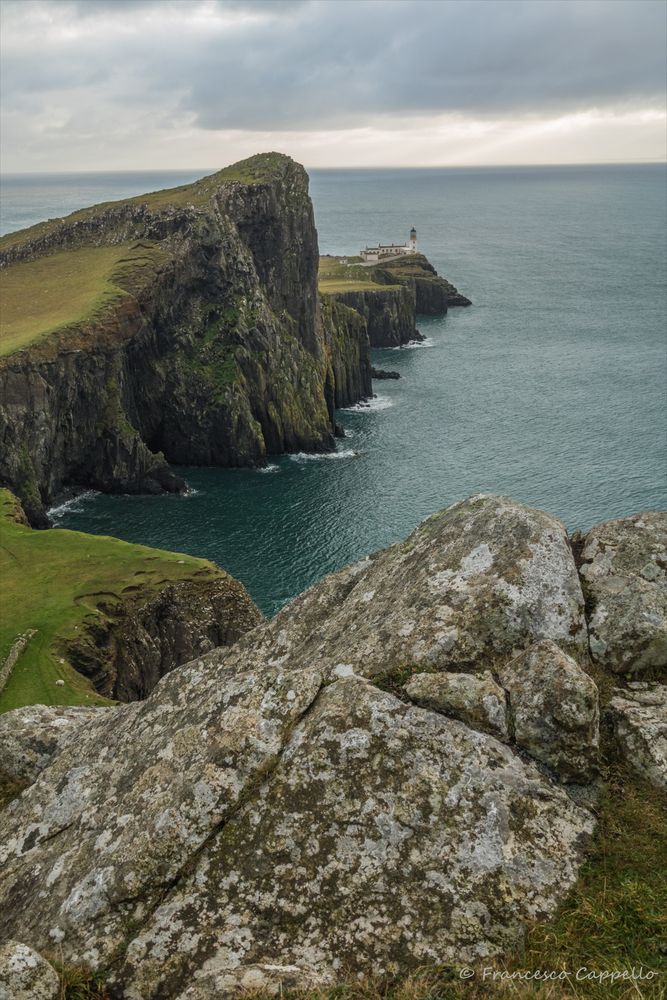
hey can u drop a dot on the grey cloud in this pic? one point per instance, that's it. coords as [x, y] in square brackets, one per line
[331, 63]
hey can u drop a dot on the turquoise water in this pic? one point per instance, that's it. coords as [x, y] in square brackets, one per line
[551, 387]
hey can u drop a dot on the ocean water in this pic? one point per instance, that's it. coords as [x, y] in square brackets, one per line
[551, 388]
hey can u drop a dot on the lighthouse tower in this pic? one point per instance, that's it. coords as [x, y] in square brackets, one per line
[413, 240]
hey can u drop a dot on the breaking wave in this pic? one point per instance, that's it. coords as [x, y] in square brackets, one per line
[302, 456]
[376, 403]
[72, 505]
[411, 344]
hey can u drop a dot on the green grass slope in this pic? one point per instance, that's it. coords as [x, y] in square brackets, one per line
[66, 289]
[54, 581]
[353, 276]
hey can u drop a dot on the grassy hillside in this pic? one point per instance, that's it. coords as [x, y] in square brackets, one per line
[67, 288]
[53, 581]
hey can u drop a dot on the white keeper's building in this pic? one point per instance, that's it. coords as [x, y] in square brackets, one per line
[374, 254]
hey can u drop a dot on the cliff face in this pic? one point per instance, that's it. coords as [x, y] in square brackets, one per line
[143, 638]
[347, 338]
[390, 295]
[433, 294]
[389, 314]
[212, 352]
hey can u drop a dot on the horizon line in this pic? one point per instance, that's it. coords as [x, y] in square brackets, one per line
[392, 166]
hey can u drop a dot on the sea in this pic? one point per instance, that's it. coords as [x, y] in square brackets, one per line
[551, 388]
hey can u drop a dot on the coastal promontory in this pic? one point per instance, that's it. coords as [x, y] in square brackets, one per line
[182, 326]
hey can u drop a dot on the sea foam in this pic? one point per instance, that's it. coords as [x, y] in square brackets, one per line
[302, 456]
[376, 403]
[70, 506]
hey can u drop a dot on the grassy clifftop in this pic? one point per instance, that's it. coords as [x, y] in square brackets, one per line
[54, 582]
[62, 290]
[352, 276]
[260, 169]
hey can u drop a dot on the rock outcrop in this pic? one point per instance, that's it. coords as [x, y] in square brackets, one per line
[141, 638]
[433, 294]
[212, 351]
[389, 313]
[554, 710]
[25, 975]
[639, 717]
[30, 737]
[475, 699]
[389, 295]
[281, 812]
[624, 566]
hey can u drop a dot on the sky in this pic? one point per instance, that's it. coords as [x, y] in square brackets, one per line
[157, 84]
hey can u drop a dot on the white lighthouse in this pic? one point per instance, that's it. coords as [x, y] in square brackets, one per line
[387, 251]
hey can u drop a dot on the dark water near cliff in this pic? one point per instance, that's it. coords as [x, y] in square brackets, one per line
[551, 388]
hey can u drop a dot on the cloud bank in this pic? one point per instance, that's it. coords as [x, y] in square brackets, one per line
[98, 83]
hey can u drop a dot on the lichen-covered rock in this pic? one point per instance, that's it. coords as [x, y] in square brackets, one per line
[639, 717]
[25, 975]
[470, 587]
[115, 817]
[30, 737]
[388, 837]
[624, 566]
[554, 710]
[264, 813]
[265, 978]
[475, 699]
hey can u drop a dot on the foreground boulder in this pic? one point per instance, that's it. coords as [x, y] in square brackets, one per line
[624, 565]
[554, 710]
[386, 832]
[472, 586]
[639, 717]
[475, 699]
[25, 975]
[276, 813]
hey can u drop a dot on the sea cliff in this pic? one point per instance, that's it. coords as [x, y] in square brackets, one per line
[178, 327]
[88, 618]
[389, 295]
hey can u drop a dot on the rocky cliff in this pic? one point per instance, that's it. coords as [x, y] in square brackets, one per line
[390, 295]
[117, 614]
[433, 294]
[389, 313]
[398, 770]
[201, 341]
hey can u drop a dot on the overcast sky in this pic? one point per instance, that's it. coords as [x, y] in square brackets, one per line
[134, 84]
